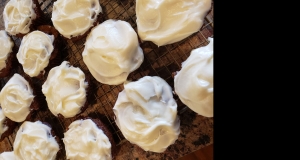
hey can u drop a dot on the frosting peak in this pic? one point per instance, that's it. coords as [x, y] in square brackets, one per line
[73, 18]
[35, 51]
[194, 82]
[6, 46]
[65, 90]
[169, 21]
[112, 52]
[34, 142]
[146, 114]
[84, 140]
[18, 16]
[16, 98]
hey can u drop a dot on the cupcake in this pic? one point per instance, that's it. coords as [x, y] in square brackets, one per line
[166, 22]
[65, 90]
[35, 52]
[17, 99]
[194, 82]
[6, 54]
[146, 114]
[35, 141]
[112, 52]
[21, 16]
[7, 156]
[88, 139]
[7, 126]
[74, 19]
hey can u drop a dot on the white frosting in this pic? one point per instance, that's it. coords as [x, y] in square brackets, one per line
[34, 142]
[7, 156]
[146, 114]
[15, 98]
[65, 90]
[6, 46]
[194, 82]
[73, 18]
[17, 16]
[84, 140]
[3, 127]
[35, 51]
[169, 21]
[112, 51]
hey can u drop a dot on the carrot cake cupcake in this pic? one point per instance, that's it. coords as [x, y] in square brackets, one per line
[6, 126]
[6, 54]
[65, 90]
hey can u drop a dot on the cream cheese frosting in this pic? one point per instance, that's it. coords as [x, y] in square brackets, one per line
[34, 142]
[35, 51]
[84, 140]
[73, 18]
[146, 114]
[194, 82]
[3, 127]
[169, 21]
[7, 156]
[65, 90]
[6, 46]
[112, 52]
[18, 16]
[15, 98]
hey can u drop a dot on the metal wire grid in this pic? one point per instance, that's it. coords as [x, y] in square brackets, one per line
[158, 61]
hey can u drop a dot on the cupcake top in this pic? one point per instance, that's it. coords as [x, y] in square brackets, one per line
[18, 16]
[7, 156]
[73, 18]
[34, 141]
[15, 98]
[6, 45]
[112, 51]
[3, 127]
[146, 114]
[166, 22]
[85, 140]
[194, 82]
[65, 90]
[34, 52]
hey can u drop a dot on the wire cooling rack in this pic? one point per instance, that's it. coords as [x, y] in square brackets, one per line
[158, 61]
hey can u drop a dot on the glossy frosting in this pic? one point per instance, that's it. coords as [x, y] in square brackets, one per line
[65, 90]
[194, 82]
[84, 140]
[18, 16]
[146, 114]
[6, 46]
[7, 156]
[168, 21]
[112, 51]
[3, 127]
[73, 18]
[15, 98]
[34, 141]
[35, 51]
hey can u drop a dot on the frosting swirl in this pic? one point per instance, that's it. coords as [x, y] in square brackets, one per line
[146, 114]
[112, 52]
[165, 22]
[3, 127]
[35, 51]
[84, 140]
[65, 90]
[15, 98]
[34, 142]
[6, 46]
[73, 18]
[194, 82]
[18, 16]
[7, 156]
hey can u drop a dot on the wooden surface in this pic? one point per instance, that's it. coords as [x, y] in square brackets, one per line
[205, 153]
